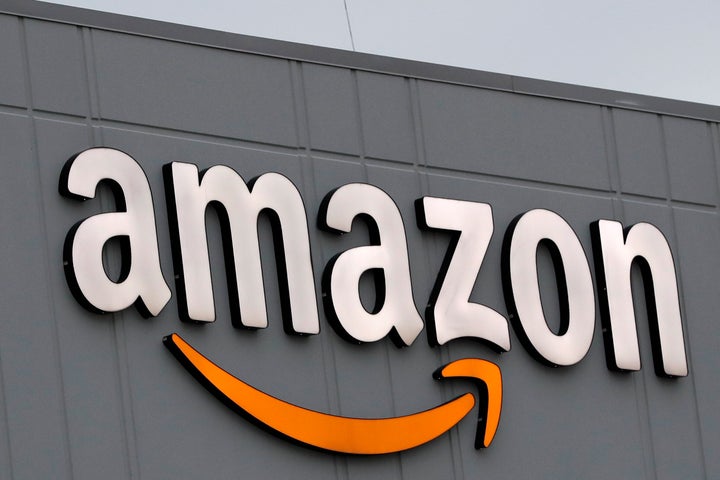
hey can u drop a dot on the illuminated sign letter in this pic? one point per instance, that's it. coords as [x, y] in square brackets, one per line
[141, 281]
[238, 206]
[615, 251]
[449, 313]
[574, 282]
[395, 311]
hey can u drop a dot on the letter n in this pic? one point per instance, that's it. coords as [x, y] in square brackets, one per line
[615, 251]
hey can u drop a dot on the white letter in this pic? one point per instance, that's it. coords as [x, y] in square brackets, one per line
[522, 295]
[449, 314]
[188, 198]
[141, 281]
[614, 254]
[397, 313]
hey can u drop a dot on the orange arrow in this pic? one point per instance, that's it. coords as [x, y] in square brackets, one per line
[366, 436]
[490, 396]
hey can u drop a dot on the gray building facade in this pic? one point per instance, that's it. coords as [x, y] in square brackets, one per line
[87, 395]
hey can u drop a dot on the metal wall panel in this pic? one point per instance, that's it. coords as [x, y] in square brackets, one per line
[332, 110]
[662, 396]
[12, 83]
[87, 395]
[692, 172]
[32, 372]
[88, 357]
[57, 67]
[698, 233]
[639, 148]
[194, 89]
[385, 106]
[504, 134]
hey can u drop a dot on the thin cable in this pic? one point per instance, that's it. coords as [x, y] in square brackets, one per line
[347, 16]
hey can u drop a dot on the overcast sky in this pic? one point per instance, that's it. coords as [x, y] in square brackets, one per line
[655, 47]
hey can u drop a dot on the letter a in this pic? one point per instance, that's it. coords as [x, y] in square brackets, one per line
[395, 312]
[141, 281]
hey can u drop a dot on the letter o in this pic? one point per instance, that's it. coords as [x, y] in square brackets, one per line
[574, 282]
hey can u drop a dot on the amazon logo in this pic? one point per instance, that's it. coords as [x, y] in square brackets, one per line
[362, 436]
[450, 315]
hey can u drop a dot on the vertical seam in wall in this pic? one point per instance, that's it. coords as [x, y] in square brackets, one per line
[611, 154]
[714, 136]
[366, 177]
[305, 113]
[327, 352]
[613, 164]
[302, 143]
[5, 417]
[443, 354]
[424, 183]
[685, 325]
[358, 120]
[642, 373]
[91, 72]
[87, 81]
[615, 157]
[716, 144]
[128, 420]
[678, 274]
[713, 155]
[419, 154]
[714, 129]
[3, 386]
[666, 163]
[643, 417]
[616, 165]
[409, 96]
[388, 346]
[126, 394]
[420, 158]
[46, 260]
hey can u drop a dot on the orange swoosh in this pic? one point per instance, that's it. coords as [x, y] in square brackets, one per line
[344, 434]
[490, 396]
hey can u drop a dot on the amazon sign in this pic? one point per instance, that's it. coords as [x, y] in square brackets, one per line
[449, 314]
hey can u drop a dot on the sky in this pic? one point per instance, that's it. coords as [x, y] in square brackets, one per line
[662, 48]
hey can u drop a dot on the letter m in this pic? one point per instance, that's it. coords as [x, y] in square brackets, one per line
[189, 193]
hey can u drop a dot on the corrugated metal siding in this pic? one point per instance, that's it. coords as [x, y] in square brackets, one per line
[88, 396]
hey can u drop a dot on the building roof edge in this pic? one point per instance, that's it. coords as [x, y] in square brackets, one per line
[356, 60]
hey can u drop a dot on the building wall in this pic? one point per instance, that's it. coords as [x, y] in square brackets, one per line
[97, 396]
